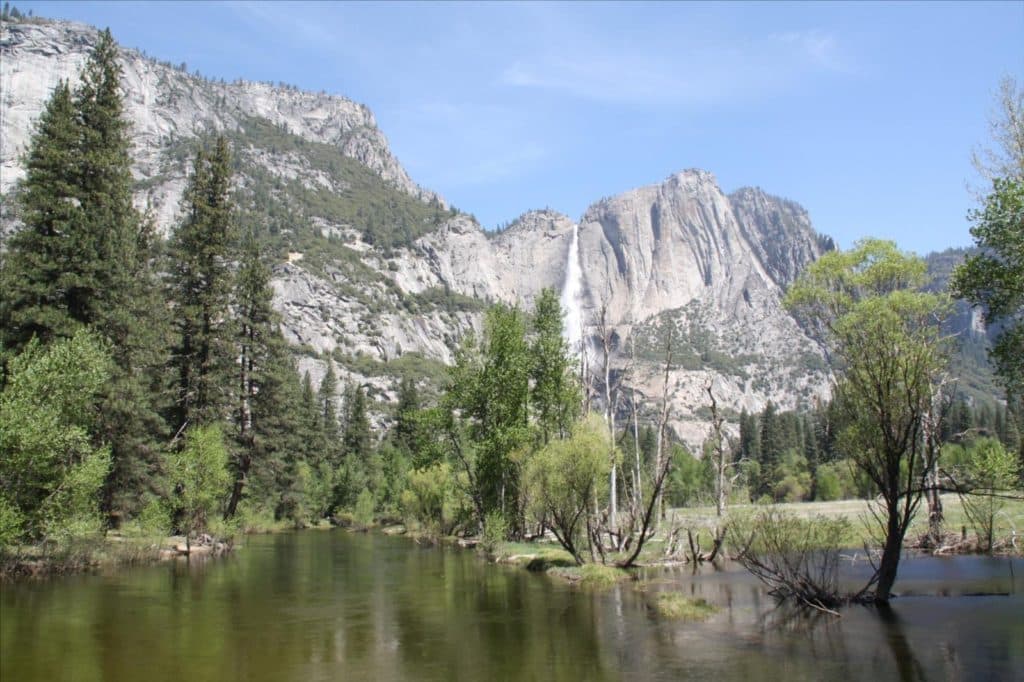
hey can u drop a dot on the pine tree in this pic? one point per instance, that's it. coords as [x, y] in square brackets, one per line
[263, 373]
[124, 305]
[326, 399]
[404, 431]
[110, 220]
[750, 436]
[40, 273]
[84, 259]
[201, 284]
[771, 445]
[357, 438]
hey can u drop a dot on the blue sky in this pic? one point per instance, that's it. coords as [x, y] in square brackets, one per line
[864, 113]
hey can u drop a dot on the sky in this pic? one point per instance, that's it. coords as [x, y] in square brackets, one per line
[864, 113]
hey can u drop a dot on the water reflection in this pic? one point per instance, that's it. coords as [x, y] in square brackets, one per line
[330, 605]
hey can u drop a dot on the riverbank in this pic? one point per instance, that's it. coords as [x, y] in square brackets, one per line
[111, 551]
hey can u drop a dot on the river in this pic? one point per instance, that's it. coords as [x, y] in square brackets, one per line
[331, 605]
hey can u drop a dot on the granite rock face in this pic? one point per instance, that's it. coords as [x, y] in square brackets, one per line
[684, 256]
[166, 104]
[680, 255]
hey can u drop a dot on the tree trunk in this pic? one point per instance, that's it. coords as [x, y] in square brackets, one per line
[890, 558]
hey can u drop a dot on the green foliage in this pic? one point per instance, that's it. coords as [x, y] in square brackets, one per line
[886, 331]
[994, 278]
[489, 391]
[555, 394]
[792, 478]
[41, 280]
[443, 298]
[797, 558]
[601, 577]
[565, 477]
[12, 522]
[414, 366]
[83, 259]
[690, 482]
[364, 508]
[152, 522]
[384, 215]
[693, 346]
[827, 484]
[496, 531]
[434, 498]
[51, 467]
[988, 474]
[200, 477]
[201, 285]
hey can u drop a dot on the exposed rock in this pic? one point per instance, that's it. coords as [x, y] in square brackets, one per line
[166, 105]
[680, 254]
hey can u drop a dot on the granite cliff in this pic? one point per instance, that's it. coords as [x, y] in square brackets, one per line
[378, 275]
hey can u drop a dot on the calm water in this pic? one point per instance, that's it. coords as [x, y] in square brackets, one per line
[337, 606]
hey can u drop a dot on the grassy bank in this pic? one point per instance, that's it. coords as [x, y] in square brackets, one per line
[862, 527]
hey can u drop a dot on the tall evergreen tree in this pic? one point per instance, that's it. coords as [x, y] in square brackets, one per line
[750, 436]
[201, 282]
[84, 259]
[262, 409]
[40, 269]
[771, 445]
[357, 438]
[326, 400]
[404, 431]
[110, 220]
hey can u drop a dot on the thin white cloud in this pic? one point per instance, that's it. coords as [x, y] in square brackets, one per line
[292, 20]
[688, 74]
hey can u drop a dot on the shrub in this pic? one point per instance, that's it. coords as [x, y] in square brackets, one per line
[990, 471]
[796, 558]
[51, 469]
[827, 483]
[363, 512]
[495, 532]
[201, 478]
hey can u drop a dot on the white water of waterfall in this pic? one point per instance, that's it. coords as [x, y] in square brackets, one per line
[573, 322]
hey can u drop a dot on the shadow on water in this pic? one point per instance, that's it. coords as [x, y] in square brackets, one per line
[332, 605]
[909, 667]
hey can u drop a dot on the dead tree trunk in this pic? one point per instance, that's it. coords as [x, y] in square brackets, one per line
[605, 331]
[661, 459]
[931, 429]
[638, 493]
[718, 452]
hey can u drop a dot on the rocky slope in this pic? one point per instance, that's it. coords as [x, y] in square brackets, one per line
[377, 275]
[165, 103]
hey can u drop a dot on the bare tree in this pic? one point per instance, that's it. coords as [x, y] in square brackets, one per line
[662, 466]
[660, 456]
[720, 451]
[606, 335]
[939, 404]
[1006, 158]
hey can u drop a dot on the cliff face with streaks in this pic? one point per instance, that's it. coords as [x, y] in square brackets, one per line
[376, 274]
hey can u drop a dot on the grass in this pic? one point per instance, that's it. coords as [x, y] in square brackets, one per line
[593, 576]
[678, 606]
[534, 556]
[861, 527]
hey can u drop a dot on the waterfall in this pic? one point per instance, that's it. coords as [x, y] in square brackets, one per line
[573, 323]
